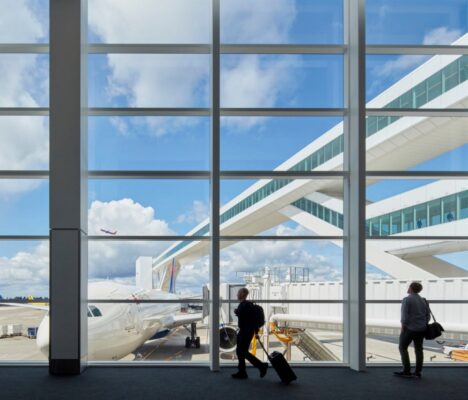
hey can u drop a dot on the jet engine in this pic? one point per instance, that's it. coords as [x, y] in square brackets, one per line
[227, 338]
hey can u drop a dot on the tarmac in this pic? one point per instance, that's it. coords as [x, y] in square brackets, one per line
[380, 349]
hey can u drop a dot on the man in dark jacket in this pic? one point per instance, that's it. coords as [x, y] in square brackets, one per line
[415, 316]
[246, 316]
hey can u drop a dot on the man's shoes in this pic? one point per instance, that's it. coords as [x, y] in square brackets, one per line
[240, 375]
[403, 374]
[263, 369]
[417, 375]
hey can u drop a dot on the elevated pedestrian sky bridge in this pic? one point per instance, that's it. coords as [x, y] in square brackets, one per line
[441, 82]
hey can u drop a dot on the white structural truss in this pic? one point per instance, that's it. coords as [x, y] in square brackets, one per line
[400, 144]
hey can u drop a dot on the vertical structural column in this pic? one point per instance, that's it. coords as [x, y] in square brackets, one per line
[68, 187]
[215, 187]
[355, 188]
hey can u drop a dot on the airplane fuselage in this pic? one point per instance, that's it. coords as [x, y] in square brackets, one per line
[117, 329]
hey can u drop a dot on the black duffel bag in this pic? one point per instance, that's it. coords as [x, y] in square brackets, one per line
[433, 330]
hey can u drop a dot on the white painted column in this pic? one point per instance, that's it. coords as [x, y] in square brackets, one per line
[355, 190]
[68, 187]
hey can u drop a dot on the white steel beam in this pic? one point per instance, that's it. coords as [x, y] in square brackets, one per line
[355, 201]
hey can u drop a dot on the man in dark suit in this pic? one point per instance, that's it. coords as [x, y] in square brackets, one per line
[246, 316]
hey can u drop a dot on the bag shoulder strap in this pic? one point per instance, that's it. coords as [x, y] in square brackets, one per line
[430, 311]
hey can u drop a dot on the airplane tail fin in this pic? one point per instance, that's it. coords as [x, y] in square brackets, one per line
[167, 275]
[172, 276]
[163, 276]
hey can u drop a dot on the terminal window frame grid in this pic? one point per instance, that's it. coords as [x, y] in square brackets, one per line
[215, 49]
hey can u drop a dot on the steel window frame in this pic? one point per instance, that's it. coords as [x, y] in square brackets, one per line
[354, 65]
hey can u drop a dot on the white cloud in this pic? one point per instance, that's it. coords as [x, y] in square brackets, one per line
[19, 24]
[25, 143]
[23, 83]
[150, 21]
[441, 35]
[197, 214]
[256, 81]
[166, 80]
[402, 64]
[26, 272]
[125, 216]
[181, 80]
[258, 21]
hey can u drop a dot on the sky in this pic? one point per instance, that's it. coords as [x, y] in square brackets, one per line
[172, 207]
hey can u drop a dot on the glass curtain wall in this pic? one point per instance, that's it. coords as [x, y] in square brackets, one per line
[149, 157]
[280, 144]
[248, 126]
[416, 130]
[24, 183]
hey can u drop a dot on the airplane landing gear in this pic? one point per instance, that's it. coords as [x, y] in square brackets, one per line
[193, 340]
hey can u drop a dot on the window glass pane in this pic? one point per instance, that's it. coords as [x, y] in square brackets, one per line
[147, 270]
[281, 207]
[147, 207]
[419, 144]
[396, 222]
[299, 266]
[293, 328]
[25, 143]
[281, 81]
[415, 81]
[24, 21]
[415, 21]
[24, 272]
[449, 205]
[149, 21]
[148, 80]
[434, 86]
[463, 201]
[24, 207]
[282, 21]
[24, 80]
[421, 216]
[420, 203]
[148, 143]
[382, 333]
[279, 142]
[435, 212]
[408, 219]
[441, 267]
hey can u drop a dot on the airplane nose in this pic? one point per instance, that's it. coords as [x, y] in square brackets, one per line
[42, 339]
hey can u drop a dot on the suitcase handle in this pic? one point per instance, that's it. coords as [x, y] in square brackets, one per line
[257, 336]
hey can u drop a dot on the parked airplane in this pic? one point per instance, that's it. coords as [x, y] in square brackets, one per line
[118, 329]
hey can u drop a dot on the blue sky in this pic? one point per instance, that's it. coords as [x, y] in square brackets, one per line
[182, 143]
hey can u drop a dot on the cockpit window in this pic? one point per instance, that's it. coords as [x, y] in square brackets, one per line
[95, 311]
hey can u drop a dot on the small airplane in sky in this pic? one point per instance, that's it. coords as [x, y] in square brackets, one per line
[109, 232]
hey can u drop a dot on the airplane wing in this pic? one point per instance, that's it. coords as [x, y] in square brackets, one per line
[173, 321]
[186, 319]
[25, 305]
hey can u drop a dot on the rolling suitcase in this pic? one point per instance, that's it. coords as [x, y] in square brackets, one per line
[279, 363]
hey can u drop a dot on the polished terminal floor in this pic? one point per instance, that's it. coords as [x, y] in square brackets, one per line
[34, 383]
